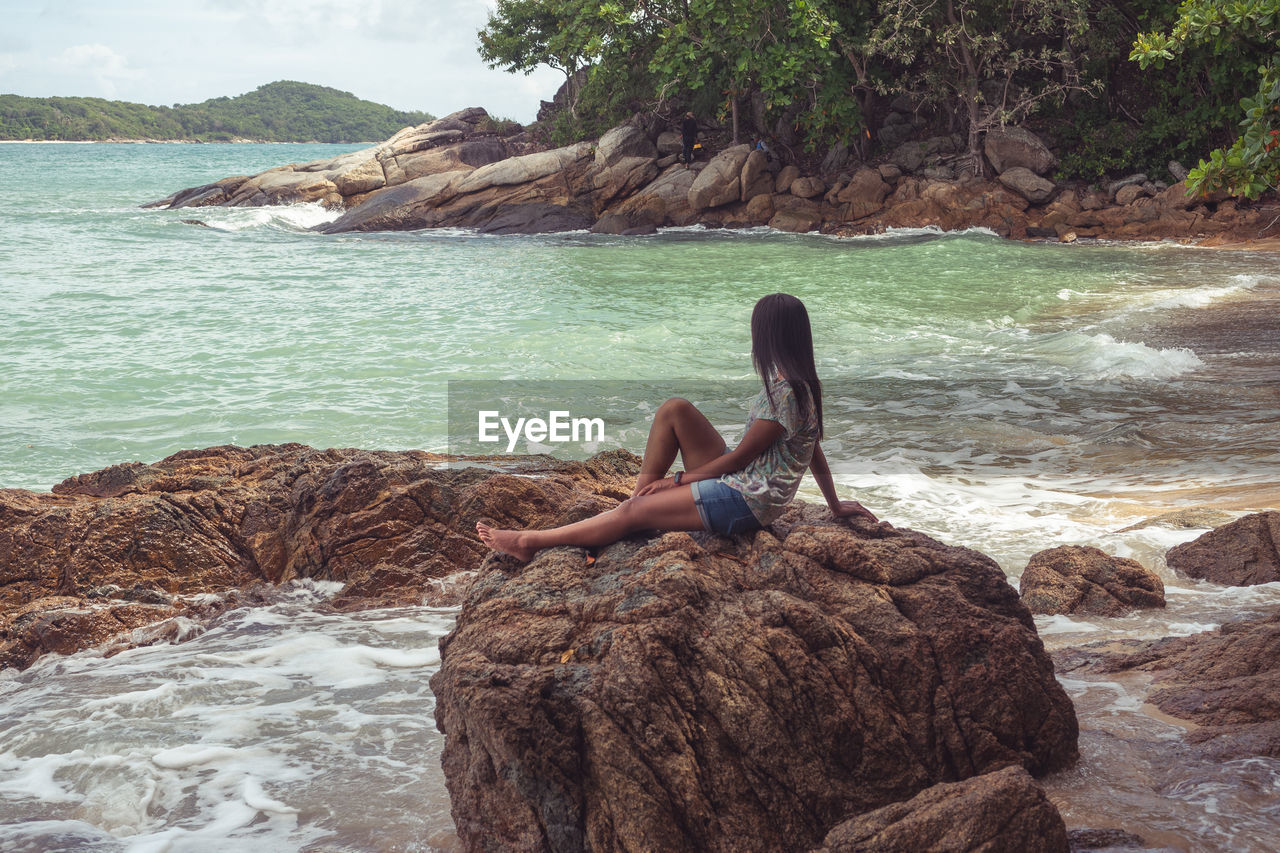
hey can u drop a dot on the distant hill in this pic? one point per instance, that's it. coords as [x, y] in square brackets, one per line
[285, 111]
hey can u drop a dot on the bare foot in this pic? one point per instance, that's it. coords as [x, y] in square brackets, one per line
[505, 541]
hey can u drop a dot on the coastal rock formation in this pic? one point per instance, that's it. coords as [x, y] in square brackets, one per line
[691, 692]
[1000, 812]
[1241, 553]
[136, 544]
[1225, 681]
[459, 172]
[1085, 580]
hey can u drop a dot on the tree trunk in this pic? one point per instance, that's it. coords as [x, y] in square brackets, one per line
[975, 139]
[733, 109]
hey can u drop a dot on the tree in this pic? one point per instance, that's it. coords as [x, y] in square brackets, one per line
[1237, 31]
[997, 60]
[522, 34]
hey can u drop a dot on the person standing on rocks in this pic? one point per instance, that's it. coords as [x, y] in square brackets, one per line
[689, 136]
[724, 491]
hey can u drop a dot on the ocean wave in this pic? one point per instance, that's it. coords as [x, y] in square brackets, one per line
[1100, 357]
[289, 217]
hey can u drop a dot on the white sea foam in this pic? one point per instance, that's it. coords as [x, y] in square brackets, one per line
[277, 728]
[291, 217]
[1100, 357]
[1059, 624]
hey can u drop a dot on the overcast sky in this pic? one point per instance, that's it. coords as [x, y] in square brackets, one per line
[409, 54]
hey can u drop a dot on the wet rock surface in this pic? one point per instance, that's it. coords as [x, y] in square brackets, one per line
[1242, 553]
[1226, 682]
[1000, 812]
[690, 692]
[1085, 580]
[134, 545]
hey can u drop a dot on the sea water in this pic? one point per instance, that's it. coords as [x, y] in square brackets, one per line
[1004, 396]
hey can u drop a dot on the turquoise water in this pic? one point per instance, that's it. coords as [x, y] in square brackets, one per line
[1001, 395]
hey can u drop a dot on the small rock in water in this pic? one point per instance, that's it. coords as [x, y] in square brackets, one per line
[195, 222]
[1080, 579]
[1104, 839]
[1185, 519]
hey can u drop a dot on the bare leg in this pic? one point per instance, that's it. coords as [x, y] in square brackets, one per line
[678, 427]
[670, 509]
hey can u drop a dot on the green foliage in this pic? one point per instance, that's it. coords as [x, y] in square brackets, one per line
[278, 112]
[1238, 31]
[998, 60]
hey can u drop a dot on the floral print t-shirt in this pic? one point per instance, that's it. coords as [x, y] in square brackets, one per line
[770, 481]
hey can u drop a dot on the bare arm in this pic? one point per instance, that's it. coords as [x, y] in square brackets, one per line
[758, 438]
[822, 473]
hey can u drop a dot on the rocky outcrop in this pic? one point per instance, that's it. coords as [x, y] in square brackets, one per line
[1224, 681]
[133, 545]
[694, 692]
[1241, 553]
[1000, 812]
[457, 172]
[1084, 580]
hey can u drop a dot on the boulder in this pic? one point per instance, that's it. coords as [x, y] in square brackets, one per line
[721, 181]
[759, 210]
[1114, 187]
[623, 142]
[1014, 147]
[525, 169]
[1176, 197]
[1131, 193]
[1027, 184]
[622, 179]
[808, 187]
[692, 692]
[136, 545]
[1085, 580]
[864, 194]
[1241, 553]
[786, 176]
[670, 142]
[665, 200]
[1224, 681]
[1178, 171]
[398, 208]
[756, 179]
[796, 220]
[1000, 812]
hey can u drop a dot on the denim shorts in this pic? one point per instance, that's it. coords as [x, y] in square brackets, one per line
[722, 508]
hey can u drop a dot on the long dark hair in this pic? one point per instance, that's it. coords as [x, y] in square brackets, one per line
[782, 340]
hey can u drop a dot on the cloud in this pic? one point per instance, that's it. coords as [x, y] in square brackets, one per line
[98, 61]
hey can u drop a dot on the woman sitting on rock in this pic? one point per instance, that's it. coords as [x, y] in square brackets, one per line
[722, 491]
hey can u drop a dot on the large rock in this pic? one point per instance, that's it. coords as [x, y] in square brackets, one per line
[1085, 580]
[756, 179]
[808, 187]
[864, 194]
[135, 544]
[1027, 184]
[665, 201]
[1241, 553]
[721, 181]
[1000, 812]
[1011, 147]
[786, 176]
[702, 693]
[1224, 681]
[622, 179]
[623, 142]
